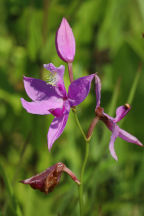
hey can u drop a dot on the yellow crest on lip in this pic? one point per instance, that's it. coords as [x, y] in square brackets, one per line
[50, 78]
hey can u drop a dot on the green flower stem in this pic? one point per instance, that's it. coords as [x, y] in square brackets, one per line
[78, 123]
[84, 162]
[82, 176]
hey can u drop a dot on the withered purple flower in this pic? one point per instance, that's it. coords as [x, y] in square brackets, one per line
[52, 98]
[110, 122]
[47, 180]
[65, 42]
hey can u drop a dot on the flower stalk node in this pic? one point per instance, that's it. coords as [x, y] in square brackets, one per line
[99, 112]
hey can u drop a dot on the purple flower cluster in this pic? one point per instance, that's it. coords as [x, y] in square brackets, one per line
[52, 98]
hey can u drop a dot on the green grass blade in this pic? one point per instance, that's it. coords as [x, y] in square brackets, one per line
[133, 89]
[8, 187]
[134, 85]
[12, 198]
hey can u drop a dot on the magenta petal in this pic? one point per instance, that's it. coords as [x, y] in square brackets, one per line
[79, 89]
[114, 135]
[98, 90]
[121, 112]
[65, 42]
[56, 128]
[128, 137]
[38, 89]
[42, 107]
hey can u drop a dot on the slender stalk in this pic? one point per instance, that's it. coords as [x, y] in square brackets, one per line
[92, 126]
[82, 177]
[78, 124]
[70, 71]
[84, 162]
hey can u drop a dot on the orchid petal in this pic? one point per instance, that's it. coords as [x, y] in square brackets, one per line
[42, 107]
[128, 137]
[56, 128]
[79, 89]
[109, 122]
[38, 89]
[114, 135]
[98, 90]
[58, 73]
[65, 42]
[58, 70]
[121, 112]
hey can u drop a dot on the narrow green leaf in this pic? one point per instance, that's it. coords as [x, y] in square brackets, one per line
[7, 184]
[12, 198]
[134, 86]
[133, 89]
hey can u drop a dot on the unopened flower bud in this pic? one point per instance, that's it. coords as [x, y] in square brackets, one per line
[65, 42]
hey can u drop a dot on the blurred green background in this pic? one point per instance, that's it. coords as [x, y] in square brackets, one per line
[109, 41]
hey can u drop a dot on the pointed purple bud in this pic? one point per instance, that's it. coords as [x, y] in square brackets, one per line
[47, 180]
[65, 42]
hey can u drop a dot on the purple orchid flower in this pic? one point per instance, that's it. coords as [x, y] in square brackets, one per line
[52, 98]
[111, 122]
[65, 42]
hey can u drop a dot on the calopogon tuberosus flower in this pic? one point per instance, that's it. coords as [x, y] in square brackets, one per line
[51, 98]
[47, 180]
[65, 42]
[111, 122]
